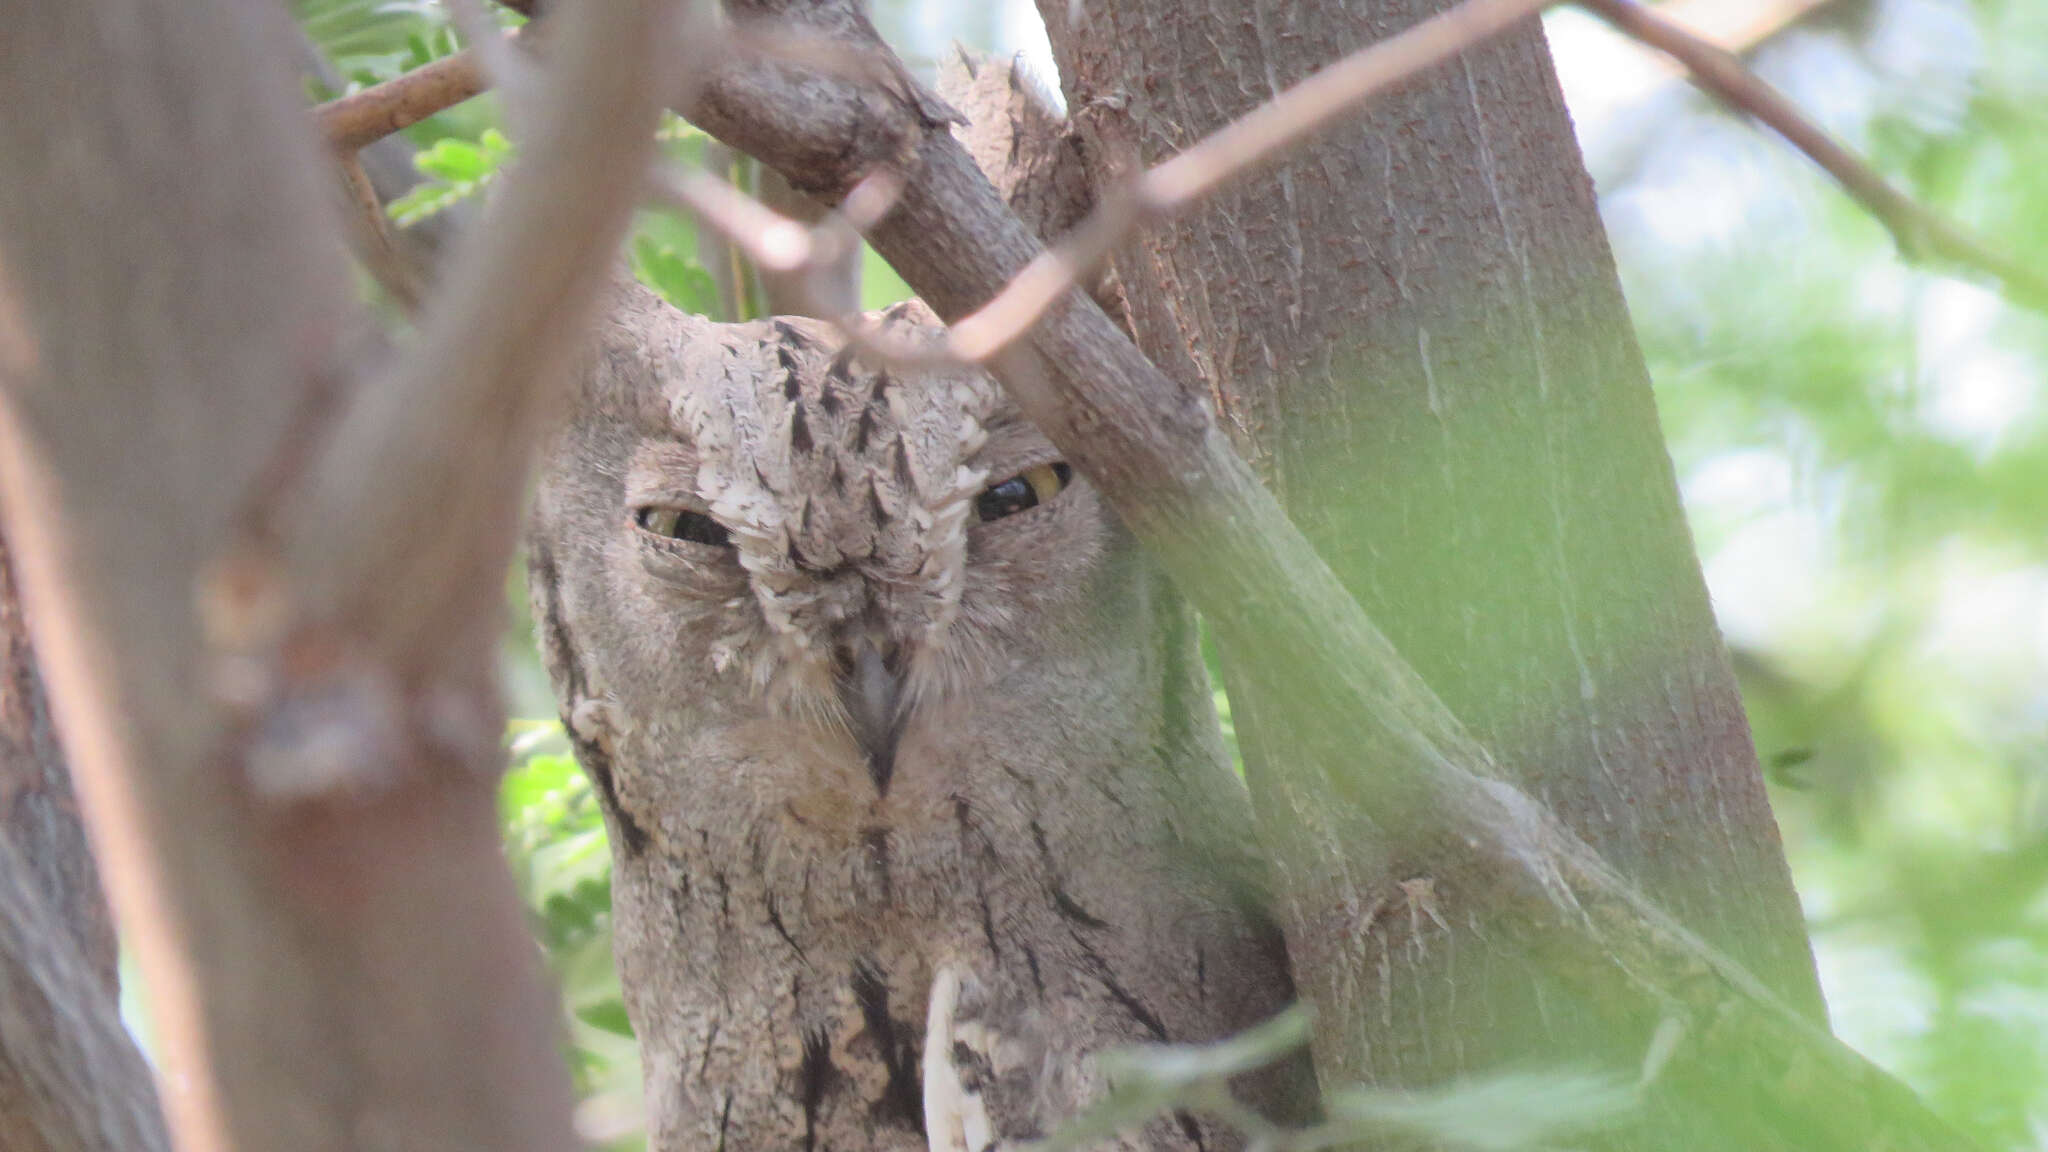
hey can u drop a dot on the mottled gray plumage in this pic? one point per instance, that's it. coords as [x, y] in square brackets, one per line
[911, 812]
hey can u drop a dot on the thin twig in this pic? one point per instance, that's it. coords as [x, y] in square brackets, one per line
[776, 243]
[356, 121]
[1741, 26]
[1232, 152]
[359, 119]
[770, 239]
[1256, 138]
[1922, 235]
[370, 228]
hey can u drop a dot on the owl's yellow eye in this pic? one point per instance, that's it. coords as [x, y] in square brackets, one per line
[1028, 489]
[682, 524]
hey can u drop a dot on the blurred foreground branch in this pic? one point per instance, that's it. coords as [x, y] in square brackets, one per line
[269, 658]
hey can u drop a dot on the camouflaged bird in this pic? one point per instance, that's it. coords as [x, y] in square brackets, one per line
[915, 788]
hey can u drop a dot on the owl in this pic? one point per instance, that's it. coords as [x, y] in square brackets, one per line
[915, 790]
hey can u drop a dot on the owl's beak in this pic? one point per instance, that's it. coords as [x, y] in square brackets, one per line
[871, 691]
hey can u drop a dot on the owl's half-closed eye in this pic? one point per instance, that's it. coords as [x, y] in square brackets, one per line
[1024, 491]
[681, 524]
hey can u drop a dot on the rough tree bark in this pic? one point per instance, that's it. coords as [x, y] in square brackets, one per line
[39, 818]
[70, 1077]
[1413, 328]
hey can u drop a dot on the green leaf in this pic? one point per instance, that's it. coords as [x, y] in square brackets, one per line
[680, 281]
[458, 170]
[676, 130]
[608, 1016]
[455, 161]
[424, 201]
[540, 780]
[1494, 1114]
[567, 864]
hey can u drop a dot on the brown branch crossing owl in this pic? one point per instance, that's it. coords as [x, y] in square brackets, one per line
[916, 794]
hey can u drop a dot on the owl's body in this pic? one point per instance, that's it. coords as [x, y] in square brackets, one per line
[915, 791]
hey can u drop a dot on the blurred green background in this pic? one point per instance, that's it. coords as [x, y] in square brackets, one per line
[1863, 449]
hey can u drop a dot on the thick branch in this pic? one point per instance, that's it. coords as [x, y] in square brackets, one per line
[1155, 453]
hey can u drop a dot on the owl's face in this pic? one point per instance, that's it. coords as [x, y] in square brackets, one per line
[800, 536]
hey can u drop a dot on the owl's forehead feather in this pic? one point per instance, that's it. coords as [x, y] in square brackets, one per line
[785, 395]
[813, 456]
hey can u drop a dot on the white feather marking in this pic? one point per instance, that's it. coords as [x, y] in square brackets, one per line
[955, 1117]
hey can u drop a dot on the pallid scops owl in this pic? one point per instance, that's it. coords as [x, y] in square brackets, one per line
[914, 785]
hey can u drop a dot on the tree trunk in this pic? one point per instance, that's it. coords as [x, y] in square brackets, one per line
[1414, 329]
[38, 811]
[70, 1077]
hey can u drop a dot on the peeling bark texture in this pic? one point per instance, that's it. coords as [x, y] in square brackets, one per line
[1028, 150]
[1414, 329]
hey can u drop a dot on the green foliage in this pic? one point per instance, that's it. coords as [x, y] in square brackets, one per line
[556, 846]
[455, 170]
[1496, 1113]
[880, 286]
[681, 281]
[373, 40]
[370, 41]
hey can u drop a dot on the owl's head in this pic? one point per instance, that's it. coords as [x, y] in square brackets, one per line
[769, 522]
